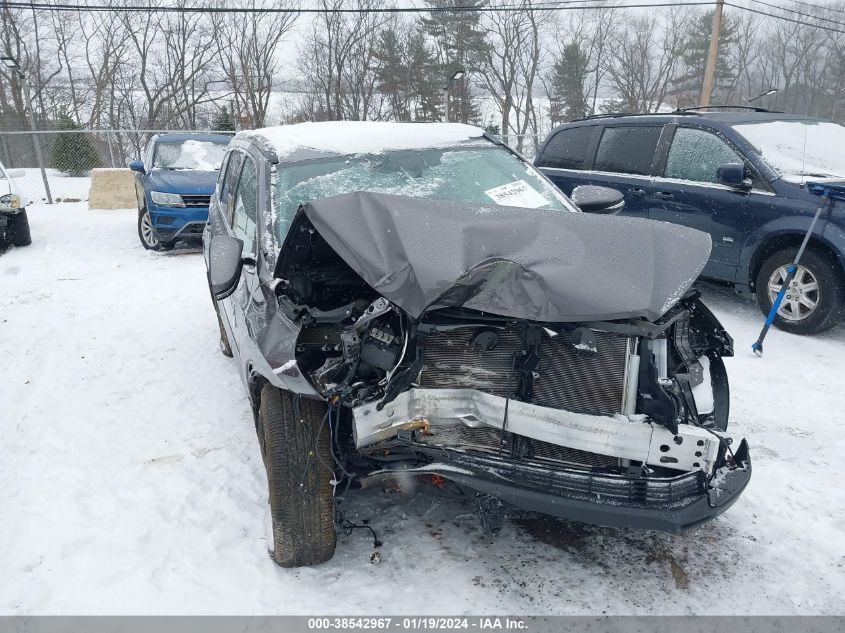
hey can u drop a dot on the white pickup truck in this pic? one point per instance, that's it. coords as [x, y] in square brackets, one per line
[14, 225]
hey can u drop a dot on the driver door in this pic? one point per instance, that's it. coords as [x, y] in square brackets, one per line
[687, 192]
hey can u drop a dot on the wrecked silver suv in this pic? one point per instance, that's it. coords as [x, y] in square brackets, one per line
[417, 299]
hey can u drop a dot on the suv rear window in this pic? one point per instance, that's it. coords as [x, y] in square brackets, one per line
[627, 150]
[567, 149]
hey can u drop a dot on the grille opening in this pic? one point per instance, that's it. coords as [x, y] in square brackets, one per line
[196, 200]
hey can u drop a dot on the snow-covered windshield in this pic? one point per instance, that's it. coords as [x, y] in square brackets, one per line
[798, 150]
[471, 173]
[190, 154]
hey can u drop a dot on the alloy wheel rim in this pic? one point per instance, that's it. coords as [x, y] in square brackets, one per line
[801, 298]
[147, 230]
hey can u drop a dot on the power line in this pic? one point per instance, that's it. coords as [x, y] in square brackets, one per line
[796, 12]
[550, 6]
[542, 6]
[827, 8]
[785, 18]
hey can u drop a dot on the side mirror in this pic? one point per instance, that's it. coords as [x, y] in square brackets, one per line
[224, 264]
[16, 173]
[732, 175]
[136, 165]
[595, 199]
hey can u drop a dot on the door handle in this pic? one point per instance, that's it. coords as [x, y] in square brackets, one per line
[636, 191]
[664, 195]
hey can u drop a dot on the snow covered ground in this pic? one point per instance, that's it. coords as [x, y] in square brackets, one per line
[62, 187]
[130, 479]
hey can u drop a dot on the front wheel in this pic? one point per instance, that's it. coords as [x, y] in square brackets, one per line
[814, 299]
[146, 233]
[18, 229]
[149, 240]
[297, 455]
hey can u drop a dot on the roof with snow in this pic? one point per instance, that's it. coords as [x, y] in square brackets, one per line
[303, 141]
[222, 137]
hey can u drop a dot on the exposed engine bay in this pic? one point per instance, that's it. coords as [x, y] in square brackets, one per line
[466, 389]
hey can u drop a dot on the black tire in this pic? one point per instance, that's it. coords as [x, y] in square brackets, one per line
[829, 298]
[148, 239]
[18, 229]
[297, 452]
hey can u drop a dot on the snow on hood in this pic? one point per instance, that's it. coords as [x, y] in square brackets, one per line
[185, 181]
[538, 264]
[799, 150]
[362, 137]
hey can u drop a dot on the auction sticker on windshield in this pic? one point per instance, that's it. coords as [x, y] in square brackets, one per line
[517, 194]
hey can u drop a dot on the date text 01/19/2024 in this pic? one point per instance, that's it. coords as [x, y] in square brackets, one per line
[480, 623]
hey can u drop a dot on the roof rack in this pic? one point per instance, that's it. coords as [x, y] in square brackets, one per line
[610, 115]
[720, 107]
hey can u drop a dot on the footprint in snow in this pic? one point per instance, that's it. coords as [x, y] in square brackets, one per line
[165, 459]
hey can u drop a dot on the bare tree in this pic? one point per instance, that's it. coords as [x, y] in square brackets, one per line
[105, 54]
[174, 53]
[337, 62]
[511, 68]
[129, 67]
[743, 56]
[23, 36]
[647, 60]
[248, 52]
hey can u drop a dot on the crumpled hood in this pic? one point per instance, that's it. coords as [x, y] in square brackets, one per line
[183, 181]
[535, 264]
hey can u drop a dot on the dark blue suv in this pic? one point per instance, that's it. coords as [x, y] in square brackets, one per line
[739, 176]
[173, 186]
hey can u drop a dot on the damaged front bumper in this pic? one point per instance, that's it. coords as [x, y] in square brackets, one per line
[669, 504]
[660, 480]
[623, 437]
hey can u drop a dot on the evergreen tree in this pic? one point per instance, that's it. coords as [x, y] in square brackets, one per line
[73, 153]
[460, 43]
[426, 81]
[407, 74]
[393, 77]
[687, 87]
[568, 85]
[223, 121]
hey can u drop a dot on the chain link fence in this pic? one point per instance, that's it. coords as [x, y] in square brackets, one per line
[68, 157]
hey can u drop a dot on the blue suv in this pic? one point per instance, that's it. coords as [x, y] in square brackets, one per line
[738, 175]
[173, 186]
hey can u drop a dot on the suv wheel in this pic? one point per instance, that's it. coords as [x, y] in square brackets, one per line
[297, 455]
[813, 302]
[18, 229]
[148, 236]
[146, 232]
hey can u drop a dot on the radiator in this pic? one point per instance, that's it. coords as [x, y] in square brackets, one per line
[582, 383]
[565, 379]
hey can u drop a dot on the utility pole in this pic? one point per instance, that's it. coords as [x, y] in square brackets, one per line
[12, 64]
[35, 139]
[712, 55]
